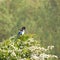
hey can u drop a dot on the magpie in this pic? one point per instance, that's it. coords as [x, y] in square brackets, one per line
[22, 31]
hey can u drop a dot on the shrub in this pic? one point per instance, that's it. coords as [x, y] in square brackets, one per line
[24, 48]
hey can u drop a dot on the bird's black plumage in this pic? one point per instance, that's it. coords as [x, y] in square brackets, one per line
[21, 32]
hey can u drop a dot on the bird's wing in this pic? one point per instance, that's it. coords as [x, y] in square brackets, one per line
[20, 33]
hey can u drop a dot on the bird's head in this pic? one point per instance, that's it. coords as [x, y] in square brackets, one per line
[23, 28]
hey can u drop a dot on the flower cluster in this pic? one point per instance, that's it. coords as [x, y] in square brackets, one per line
[28, 49]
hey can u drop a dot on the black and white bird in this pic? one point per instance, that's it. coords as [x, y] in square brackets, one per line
[22, 31]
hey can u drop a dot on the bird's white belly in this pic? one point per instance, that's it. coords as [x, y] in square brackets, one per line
[23, 32]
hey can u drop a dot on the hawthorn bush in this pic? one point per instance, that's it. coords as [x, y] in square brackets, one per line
[24, 48]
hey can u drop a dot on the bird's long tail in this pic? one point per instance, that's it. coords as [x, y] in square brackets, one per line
[17, 36]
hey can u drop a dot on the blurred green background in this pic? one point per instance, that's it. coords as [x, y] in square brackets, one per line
[41, 17]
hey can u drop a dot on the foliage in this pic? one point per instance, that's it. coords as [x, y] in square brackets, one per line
[24, 49]
[41, 17]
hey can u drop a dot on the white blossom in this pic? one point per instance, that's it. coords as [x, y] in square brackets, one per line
[13, 54]
[50, 47]
[34, 56]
